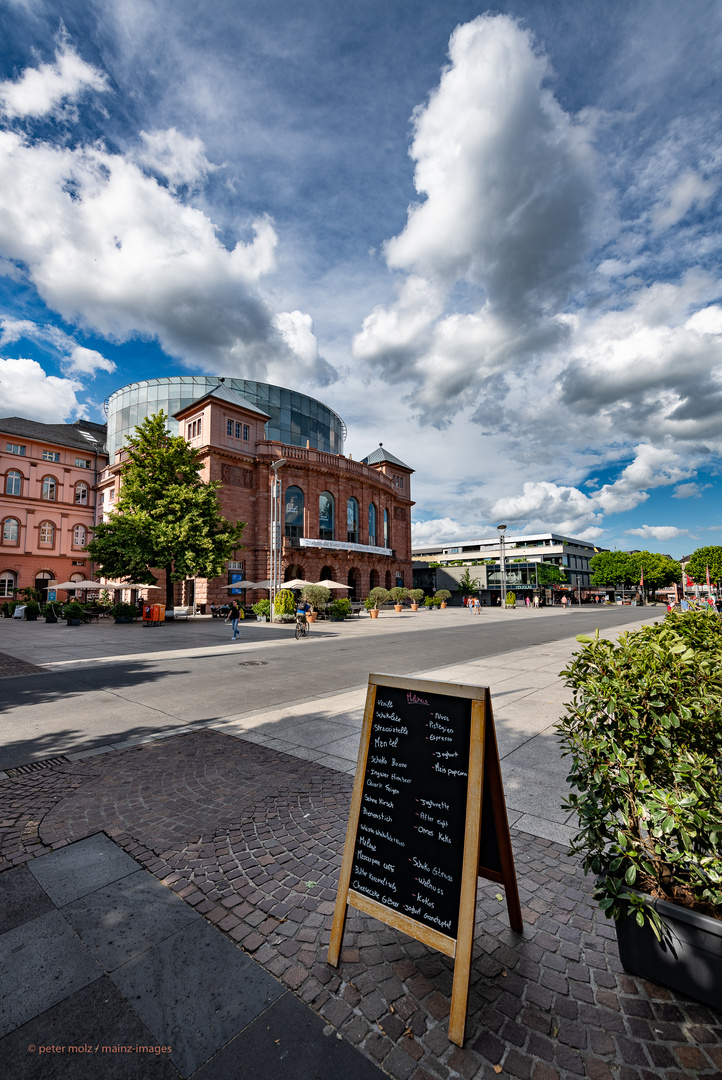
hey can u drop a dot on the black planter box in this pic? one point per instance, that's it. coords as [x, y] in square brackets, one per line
[689, 957]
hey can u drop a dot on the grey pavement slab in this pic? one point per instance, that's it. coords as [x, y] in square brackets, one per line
[126, 918]
[195, 992]
[94, 1023]
[41, 962]
[289, 1041]
[21, 898]
[81, 868]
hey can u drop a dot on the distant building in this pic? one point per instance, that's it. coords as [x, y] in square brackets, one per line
[48, 477]
[523, 556]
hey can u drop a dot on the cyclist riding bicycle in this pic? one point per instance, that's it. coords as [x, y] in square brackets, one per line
[301, 623]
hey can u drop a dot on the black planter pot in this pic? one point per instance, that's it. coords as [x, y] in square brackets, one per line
[689, 957]
[51, 618]
[123, 620]
[74, 622]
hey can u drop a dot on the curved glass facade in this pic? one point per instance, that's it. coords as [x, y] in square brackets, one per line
[295, 417]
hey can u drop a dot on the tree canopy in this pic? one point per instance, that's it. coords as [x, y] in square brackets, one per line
[166, 516]
[701, 559]
[612, 568]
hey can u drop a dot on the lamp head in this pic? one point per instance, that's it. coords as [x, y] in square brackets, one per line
[277, 464]
[501, 529]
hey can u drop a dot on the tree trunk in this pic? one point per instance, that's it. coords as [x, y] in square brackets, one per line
[169, 598]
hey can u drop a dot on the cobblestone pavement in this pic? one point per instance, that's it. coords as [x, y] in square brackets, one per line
[11, 665]
[252, 839]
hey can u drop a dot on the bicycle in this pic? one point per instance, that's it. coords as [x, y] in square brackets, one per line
[302, 626]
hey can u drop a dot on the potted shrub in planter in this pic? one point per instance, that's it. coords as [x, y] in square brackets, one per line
[73, 613]
[430, 604]
[442, 595]
[511, 599]
[5, 611]
[284, 606]
[124, 613]
[262, 610]
[50, 614]
[416, 596]
[339, 609]
[398, 595]
[645, 739]
[318, 597]
[376, 600]
[32, 610]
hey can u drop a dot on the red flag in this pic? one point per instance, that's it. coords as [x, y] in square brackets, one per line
[709, 585]
[641, 579]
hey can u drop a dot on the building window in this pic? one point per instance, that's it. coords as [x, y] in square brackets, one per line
[372, 523]
[79, 536]
[83, 463]
[398, 481]
[47, 533]
[13, 483]
[13, 448]
[239, 430]
[7, 583]
[81, 494]
[50, 455]
[387, 535]
[294, 512]
[50, 488]
[11, 530]
[352, 521]
[229, 428]
[325, 516]
[246, 432]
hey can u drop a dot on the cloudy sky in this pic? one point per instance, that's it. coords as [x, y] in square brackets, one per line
[488, 238]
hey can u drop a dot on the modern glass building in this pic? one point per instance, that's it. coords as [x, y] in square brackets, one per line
[295, 418]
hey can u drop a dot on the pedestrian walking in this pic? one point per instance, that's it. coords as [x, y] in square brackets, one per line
[564, 603]
[232, 617]
[527, 602]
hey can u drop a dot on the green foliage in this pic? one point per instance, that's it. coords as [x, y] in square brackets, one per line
[32, 609]
[317, 596]
[442, 595]
[617, 568]
[644, 732]
[549, 574]
[377, 597]
[73, 610]
[339, 609]
[30, 594]
[399, 594]
[416, 595]
[262, 607]
[511, 598]
[166, 515]
[5, 610]
[124, 611]
[284, 603]
[701, 559]
[467, 583]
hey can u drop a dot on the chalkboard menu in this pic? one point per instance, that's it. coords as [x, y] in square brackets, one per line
[413, 808]
[427, 816]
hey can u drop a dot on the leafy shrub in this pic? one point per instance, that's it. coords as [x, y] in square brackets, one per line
[32, 609]
[317, 596]
[644, 732]
[73, 610]
[511, 597]
[377, 598]
[442, 595]
[5, 610]
[339, 609]
[124, 611]
[262, 607]
[399, 594]
[416, 595]
[284, 604]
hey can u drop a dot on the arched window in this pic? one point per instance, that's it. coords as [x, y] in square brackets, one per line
[373, 579]
[14, 483]
[387, 531]
[47, 533]
[353, 582]
[79, 536]
[7, 583]
[50, 488]
[81, 494]
[41, 583]
[372, 523]
[11, 530]
[294, 511]
[352, 521]
[325, 516]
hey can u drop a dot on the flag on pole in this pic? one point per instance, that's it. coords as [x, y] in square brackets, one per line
[641, 579]
[709, 584]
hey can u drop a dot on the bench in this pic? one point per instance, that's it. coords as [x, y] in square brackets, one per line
[357, 607]
[180, 613]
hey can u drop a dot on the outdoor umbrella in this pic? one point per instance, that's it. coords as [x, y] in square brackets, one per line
[262, 585]
[241, 585]
[110, 585]
[77, 585]
[294, 583]
[332, 584]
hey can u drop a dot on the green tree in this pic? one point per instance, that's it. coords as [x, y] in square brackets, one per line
[701, 559]
[166, 516]
[612, 568]
[659, 570]
[549, 574]
[467, 583]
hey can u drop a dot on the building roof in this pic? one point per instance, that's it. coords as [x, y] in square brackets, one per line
[381, 456]
[81, 435]
[477, 543]
[224, 393]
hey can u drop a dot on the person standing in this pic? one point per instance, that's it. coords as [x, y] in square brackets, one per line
[564, 604]
[233, 617]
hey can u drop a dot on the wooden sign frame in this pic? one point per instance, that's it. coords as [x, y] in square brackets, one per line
[483, 765]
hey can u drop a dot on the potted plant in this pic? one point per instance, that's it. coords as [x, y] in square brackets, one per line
[430, 604]
[339, 609]
[32, 610]
[124, 613]
[645, 739]
[73, 613]
[51, 615]
[442, 595]
[398, 595]
[262, 610]
[284, 606]
[416, 596]
[511, 599]
[376, 600]
[5, 611]
[317, 596]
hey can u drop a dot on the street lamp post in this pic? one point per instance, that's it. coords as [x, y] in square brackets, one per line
[276, 537]
[501, 529]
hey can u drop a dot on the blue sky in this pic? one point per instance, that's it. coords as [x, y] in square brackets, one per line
[488, 237]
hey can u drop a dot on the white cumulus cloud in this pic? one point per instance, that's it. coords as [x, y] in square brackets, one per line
[26, 390]
[40, 90]
[658, 532]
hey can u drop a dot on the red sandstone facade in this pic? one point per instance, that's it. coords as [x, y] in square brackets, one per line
[48, 474]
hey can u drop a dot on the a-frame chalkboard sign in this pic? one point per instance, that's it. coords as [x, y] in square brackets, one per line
[427, 818]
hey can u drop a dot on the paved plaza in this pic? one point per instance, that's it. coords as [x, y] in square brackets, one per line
[223, 841]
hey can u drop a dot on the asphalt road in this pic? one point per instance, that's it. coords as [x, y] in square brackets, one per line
[98, 702]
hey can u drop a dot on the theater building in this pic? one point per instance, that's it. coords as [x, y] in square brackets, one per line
[342, 519]
[48, 477]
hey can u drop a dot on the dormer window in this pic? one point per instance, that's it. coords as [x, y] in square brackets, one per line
[398, 481]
